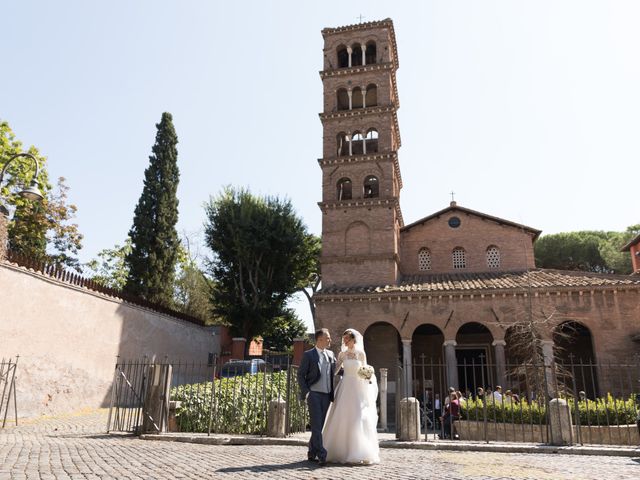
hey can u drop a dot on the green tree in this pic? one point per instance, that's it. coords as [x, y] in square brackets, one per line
[591, 251]
[154, 253]
[110, 268]
[260, 258]
[282, 330]
[44, 229]
[311, 263]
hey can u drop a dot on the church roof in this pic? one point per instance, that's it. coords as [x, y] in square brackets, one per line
[455, 208]
[494, 282]
[631, 243]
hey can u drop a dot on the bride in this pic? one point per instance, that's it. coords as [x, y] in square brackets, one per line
[349, 432]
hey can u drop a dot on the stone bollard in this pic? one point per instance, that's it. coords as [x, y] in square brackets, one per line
[383, 399]
[560, 422]
[276, 418]
[174, 406]
[156, 402]
[409, 420]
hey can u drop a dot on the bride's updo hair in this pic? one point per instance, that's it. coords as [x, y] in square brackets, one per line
[350, 334]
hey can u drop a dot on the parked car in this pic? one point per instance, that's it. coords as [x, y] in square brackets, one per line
[234, 368]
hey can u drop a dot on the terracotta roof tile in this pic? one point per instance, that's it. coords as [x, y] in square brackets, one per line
[494, 281]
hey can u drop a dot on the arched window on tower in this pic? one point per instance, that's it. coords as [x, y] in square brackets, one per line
[343, 99]
[342, 144]
[357, 147]
[356, 55]
[372, 140]
[459, 258]
[357, 98]
[424, 259]
[493, 257]
[371, 187]
[372, 95]
[344, 189]
[343, 57]
[371, 53]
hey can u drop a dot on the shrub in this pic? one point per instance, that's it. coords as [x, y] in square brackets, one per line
[602, 411]
[239, 403]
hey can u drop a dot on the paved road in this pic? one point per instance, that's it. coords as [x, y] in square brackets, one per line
[75, 447]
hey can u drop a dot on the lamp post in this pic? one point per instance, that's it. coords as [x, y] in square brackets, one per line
[32, 192]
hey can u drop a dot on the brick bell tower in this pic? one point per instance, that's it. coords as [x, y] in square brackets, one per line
[361, 181]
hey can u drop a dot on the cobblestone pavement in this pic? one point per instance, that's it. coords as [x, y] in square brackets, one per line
[76, 447]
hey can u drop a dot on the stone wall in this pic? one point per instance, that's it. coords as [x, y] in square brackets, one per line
[68, 339]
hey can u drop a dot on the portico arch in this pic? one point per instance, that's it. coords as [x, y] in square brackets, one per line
[474, 354]
[573, 348]
[383, 346]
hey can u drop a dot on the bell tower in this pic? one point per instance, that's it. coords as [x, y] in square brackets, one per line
[361, 181]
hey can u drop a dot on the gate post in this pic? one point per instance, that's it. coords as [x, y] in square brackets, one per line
[156, 401]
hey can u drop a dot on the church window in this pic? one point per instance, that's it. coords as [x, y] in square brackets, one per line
[454, 222]
[343, 57]
[371, 96]
[356, 55]
[344, 189]
[459, 258]
[357, 148]
[343, 144]
[493, 257]
[371, 53]
[357, 97]
[343, 99]
[371, 187]
[372, 140]
[424, 259]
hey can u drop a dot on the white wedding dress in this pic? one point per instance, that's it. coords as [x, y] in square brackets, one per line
[349, 432]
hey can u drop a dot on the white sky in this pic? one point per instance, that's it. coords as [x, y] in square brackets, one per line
[527, 110]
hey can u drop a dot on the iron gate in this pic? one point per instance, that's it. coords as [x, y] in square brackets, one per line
[8, 389]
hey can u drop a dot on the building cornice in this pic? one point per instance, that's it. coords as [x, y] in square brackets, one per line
[369, 158]
[390, 202]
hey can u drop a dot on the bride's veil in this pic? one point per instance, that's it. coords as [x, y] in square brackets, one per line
[359, 340]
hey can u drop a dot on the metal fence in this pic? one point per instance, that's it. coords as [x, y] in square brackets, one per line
[8, 389]
[603, 401]
[213, 397]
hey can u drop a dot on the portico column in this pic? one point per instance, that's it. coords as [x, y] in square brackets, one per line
[407, 367]
[349, 51]
[498, 346]
[547, 352]
[350, 95]
[452, 363]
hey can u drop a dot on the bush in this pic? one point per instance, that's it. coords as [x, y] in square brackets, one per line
[602, 411]
[239, 403]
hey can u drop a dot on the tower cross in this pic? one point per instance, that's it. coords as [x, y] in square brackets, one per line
[360, 17]
[452, 193]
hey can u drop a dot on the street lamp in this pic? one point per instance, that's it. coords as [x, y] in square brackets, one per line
[32, 192]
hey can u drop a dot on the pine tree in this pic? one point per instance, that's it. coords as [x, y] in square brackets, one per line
[153, 235]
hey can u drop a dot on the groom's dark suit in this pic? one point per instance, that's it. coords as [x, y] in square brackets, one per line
[310, 374]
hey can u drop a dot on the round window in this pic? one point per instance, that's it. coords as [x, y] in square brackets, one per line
[454, 222]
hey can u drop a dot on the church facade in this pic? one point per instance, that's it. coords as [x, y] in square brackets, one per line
[449, 286]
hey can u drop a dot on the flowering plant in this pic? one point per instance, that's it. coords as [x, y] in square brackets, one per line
[365, 372]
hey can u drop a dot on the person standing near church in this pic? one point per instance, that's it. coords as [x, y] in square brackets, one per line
[315, 377]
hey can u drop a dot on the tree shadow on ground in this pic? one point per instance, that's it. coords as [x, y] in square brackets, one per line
[303, 465]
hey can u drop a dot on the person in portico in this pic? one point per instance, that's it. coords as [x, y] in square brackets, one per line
[447, 286]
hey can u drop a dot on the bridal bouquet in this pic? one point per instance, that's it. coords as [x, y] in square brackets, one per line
[365, 372]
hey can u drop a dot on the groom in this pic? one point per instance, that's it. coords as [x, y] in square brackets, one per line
[315, 377]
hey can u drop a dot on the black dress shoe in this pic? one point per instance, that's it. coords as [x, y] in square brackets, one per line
[312, 458]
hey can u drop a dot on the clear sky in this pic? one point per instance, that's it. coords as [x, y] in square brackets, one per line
[527, 110]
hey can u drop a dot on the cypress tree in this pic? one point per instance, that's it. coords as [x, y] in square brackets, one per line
[153, 235]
